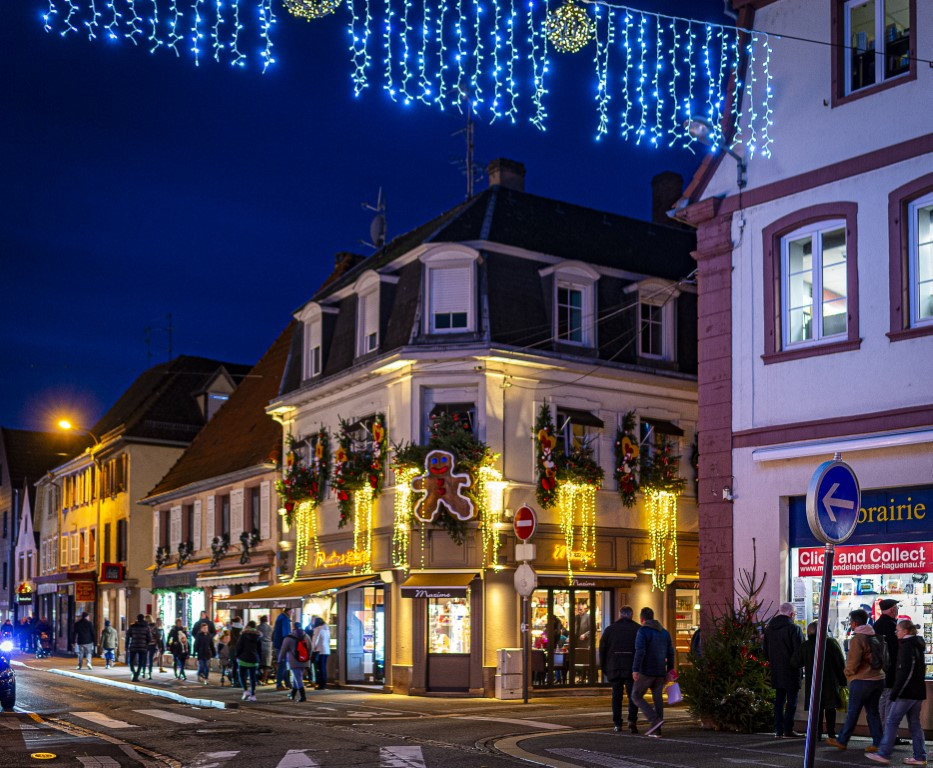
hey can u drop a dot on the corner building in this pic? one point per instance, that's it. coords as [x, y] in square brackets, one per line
[478, 318]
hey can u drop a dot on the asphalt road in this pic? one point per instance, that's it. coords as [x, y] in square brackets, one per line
[85, 724]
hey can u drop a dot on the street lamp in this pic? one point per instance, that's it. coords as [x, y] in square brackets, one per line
[703, 131]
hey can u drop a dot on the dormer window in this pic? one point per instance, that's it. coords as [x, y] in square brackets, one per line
[449, 291]
[312, 317]
[367, 315]
[656, 318]
[574, 302]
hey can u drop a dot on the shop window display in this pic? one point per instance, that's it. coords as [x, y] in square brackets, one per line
[687, 618]
[566, 625]
[449, 625]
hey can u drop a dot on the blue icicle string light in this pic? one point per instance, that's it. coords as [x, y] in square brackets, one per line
[175, 25]
[652, 71]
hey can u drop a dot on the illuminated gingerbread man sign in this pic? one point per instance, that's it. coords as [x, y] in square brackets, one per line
[440, 485]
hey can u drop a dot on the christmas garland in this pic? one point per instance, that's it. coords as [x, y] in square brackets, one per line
[660, 470]
[304, 481]
[626, 450]
[554, 466]
[448, 432]
[356, 470]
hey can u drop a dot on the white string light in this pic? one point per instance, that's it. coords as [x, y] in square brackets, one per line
[425, 96]
[215, 30]
[626, 79]
[173, 37]
[496, 68]
[239, 58]
[513, 63]
[154, 23]
[196, 30]
[440, 100]
[135, 29]
[93, 22]
[72, 11]
[47, 16]
[406, 51]
[477, 59]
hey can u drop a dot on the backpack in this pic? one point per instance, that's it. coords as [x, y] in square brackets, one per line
[301, 650]
[879, 652]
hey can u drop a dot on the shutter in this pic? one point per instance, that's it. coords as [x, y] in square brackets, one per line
[156, 533]
[211, 524]
[265, 509]
[64, 552]
[174, 529]
[450, 289]
[236, 514]
[75, 548]
[87, 546]
[196, 533]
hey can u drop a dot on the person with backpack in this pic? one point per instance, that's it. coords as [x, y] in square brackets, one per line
[907, 696]
[296, 651]
[865, 673]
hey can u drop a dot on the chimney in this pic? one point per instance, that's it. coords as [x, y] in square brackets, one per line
[343, 263]
[666, 189]
[507, 173]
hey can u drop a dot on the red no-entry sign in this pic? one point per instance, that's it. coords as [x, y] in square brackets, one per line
[524, 523]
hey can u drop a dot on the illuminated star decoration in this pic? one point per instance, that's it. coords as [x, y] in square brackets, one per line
[166, 21]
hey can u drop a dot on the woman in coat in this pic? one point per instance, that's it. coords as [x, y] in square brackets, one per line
[320, 650]
[834, 677]
[297, 663]
[204, 651]
[179, 648]
[907, 696]
[248, 654]
[265, 665]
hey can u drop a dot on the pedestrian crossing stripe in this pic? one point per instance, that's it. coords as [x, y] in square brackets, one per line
[174, 717]
[401, 757]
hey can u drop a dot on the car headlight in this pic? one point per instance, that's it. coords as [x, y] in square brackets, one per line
[6, 646]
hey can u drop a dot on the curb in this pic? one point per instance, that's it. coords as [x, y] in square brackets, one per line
[212, 703]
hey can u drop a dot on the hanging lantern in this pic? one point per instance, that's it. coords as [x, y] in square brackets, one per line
[311, 9]
[569, 28]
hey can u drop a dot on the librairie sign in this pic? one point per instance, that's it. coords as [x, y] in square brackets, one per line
[869, 559]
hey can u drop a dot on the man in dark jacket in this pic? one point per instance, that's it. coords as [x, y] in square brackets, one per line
[205, 619]
[138, 640]
[616, 654]
[886, 628]
[651, 666]
[84, 639]
[281, 630]
[782, 639]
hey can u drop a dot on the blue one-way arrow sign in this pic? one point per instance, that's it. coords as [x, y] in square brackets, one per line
[833, 500]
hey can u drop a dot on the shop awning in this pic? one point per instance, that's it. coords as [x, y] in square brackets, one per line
[661, 427]
[437, 584]
[578, 416]
[230, 578]
[290, 595]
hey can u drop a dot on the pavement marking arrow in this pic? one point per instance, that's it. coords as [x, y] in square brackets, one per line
[401, 757]
[296, 758]
[829, 501]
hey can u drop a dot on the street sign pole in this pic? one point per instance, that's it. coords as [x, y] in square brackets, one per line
[819, 659]
[526, 648]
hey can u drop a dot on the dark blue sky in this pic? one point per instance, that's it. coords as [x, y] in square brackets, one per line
[132, 186]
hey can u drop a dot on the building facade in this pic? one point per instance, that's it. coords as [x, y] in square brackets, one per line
[516, 338]
[816, 314]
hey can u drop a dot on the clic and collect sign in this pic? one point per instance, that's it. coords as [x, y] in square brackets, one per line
[916, 557]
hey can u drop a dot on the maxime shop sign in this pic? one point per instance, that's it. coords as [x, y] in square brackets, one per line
[869, 559]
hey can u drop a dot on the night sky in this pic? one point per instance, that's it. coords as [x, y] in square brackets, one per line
[133, 186]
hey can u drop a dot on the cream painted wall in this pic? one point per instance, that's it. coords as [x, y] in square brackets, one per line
[803, 121]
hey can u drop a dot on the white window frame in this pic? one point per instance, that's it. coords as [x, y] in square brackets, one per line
[913, 259]
[575, 276]
[450, 259]
[879, 49]
[312, 360]
[368, 295]
[815, 231]
[655, 292]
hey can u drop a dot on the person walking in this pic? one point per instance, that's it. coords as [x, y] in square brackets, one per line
[108, 644]
[248, 654]
[886, 628]
[616, 655]
[782, 638]
[138, 638]
[204, 651]
[320, 650]
[907, 695]
[223, 656]
[834, 677]
[651, 668]
[283, 625]
[265, 663]
[180, 649]
[84, 639]
[204, 620]
[236, 627]
[159, 632]
[296, 652]
[865, 674]
[153, 649]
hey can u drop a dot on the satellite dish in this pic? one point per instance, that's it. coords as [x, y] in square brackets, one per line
[377, 231]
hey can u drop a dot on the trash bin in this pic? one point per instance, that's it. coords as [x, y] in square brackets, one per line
[509, 673]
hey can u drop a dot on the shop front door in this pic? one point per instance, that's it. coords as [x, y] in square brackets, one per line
[366, 635]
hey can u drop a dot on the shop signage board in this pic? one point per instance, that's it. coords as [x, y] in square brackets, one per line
[85, 592]
[524, 523]
[833, 502]
[916, 557]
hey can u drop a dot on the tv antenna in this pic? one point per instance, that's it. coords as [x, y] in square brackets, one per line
[467, 165]
[377, 228]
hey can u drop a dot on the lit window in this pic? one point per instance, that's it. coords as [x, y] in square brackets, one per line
[814, 302]
[578, 429]
[920, 269]
[214, 401]
[450, 290]
[877, 41]
[574, 302]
